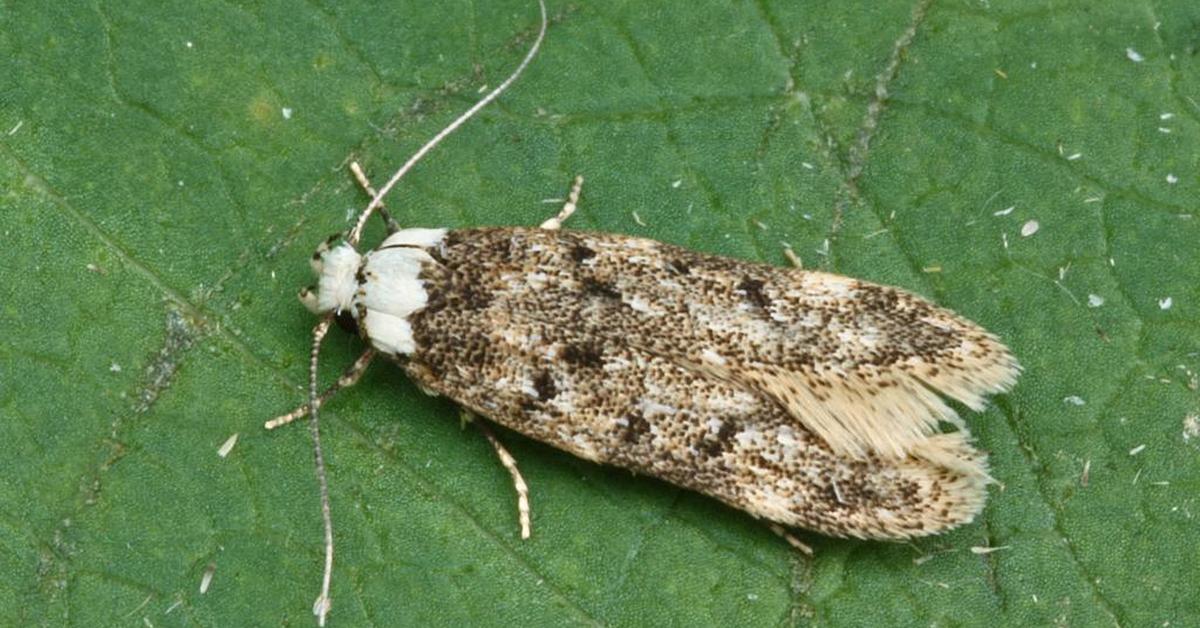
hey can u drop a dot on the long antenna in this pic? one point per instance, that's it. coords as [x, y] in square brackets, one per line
[356, 233]
[324, 602]
[322, 605]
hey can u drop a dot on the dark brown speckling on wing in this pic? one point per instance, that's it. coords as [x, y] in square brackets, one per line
[801, 397]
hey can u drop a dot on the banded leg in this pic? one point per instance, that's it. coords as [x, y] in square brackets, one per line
[793, 541]
[390, 224]
[791, 256]
[509, 463]
[348, 378]
[568, 208]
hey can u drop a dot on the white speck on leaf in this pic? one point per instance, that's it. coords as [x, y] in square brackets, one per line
[1095, 300]
[20, 123]
[1163, 129]
[1074, 400]
[1191, 427]
[1134, 56]
[206, 579]
[114, 368]
[676, 183]
[227, 446]
[1004, 212]
[1172, 179]
[807, 165]
[1029, 228]
[1074, 156]
[287, 113]
[1166, 115]
[1136, 450]
[1165, 303]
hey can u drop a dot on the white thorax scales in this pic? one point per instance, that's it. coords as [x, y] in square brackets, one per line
[376, 291]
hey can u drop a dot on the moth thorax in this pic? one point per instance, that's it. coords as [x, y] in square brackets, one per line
[376, 293]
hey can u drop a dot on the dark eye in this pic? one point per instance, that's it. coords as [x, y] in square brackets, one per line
[346, 321]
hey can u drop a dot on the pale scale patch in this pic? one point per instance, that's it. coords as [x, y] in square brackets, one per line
[335, 287]
[391, 292]
[772, 504]
[389, 334]
[424, 238]
[749, 437]
[615, 364]
[786, 437]
[651, 408]
[536, 281]
[392, 285]
[712, 357]
[584, 447]
[731, 403]
[639, 304]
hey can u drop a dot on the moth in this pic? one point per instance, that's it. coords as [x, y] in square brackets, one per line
[806, 399]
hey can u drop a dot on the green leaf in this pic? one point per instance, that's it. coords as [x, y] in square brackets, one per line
[168, 168]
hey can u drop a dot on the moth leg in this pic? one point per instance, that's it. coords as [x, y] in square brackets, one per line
[391, 225]
[791, 256]
[793, 541]
[348, 378]
[519, 484]
[568, 208]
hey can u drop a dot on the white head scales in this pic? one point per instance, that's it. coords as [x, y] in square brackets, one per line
[383, 309]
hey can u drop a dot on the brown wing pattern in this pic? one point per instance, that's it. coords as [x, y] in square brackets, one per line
[761, 386]
[859, 364]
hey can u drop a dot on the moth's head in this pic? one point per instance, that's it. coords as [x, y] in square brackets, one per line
[335, 266]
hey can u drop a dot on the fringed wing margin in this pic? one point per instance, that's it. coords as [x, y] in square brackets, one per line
[862, 366]
[605, 400]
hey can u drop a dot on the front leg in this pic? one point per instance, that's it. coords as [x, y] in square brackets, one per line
[348, 378]
[389, 223]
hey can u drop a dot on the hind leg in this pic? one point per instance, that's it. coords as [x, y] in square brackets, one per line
[568, 208]
[509, 463]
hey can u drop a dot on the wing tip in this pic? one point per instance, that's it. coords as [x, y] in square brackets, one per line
[897, 412]
[938, 497]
